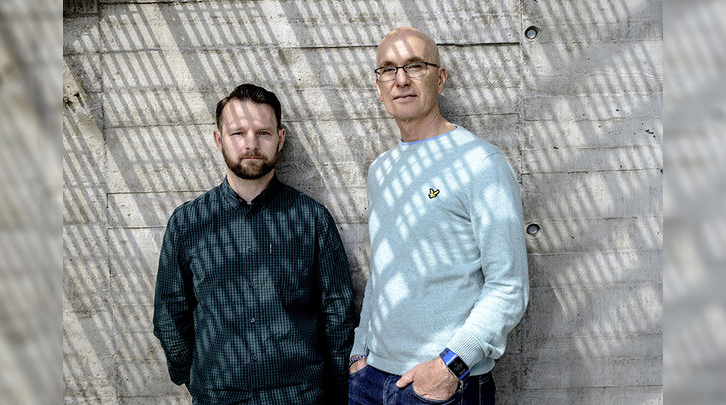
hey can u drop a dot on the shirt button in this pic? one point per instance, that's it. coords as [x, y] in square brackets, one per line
[252, 320]
[249, 249]
[251, 284]
[254, 357]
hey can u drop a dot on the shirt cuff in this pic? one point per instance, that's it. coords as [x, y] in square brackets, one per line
[180, 376]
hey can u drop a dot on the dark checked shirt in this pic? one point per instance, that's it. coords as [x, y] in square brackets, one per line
[255, 301]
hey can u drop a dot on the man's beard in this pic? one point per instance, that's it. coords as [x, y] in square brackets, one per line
[250, 172]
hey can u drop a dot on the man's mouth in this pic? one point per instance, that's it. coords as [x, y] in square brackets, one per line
[404, 97]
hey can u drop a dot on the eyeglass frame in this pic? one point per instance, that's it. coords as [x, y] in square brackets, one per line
[378, 74]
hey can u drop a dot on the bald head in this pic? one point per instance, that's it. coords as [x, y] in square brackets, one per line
[411, 96]
[406, 41]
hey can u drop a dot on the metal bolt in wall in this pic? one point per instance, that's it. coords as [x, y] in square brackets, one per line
[533, 229]
[531, 32]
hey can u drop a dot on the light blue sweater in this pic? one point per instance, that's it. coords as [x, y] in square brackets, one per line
[448, 257]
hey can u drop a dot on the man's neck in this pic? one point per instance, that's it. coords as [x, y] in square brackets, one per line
[424, 128]
[249, 189]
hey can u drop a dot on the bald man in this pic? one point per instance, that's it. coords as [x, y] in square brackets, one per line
[448, 278]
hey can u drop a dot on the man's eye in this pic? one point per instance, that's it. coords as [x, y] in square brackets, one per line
[387, 70]
[414, 66]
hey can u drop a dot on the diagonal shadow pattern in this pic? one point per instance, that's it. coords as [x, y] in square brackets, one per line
[30, 202]
[695, 343]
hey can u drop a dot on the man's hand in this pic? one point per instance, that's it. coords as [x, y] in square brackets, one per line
[357, 365]
[432, 380]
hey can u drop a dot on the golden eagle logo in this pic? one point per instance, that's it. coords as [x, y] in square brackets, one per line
[433, 193]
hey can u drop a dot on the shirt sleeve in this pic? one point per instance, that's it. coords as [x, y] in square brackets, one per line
[337, 308]
[174, 303]
[498, 225]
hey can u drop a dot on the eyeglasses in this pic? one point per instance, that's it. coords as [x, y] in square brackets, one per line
[413, 69]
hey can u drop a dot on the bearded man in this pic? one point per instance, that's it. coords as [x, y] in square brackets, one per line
[253, 297]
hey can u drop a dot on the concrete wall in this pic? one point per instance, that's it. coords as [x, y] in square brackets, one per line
[30, 202]
[577, 111]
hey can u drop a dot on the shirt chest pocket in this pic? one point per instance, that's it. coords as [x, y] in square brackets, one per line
[295, 279]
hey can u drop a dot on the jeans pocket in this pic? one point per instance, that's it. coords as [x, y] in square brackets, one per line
[416, 398]
[358, 372]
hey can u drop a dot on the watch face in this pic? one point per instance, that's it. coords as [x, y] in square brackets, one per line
[458, 367]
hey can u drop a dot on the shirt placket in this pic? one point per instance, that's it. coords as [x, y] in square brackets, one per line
[253, 315]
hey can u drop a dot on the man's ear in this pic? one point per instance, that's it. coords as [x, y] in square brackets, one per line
[378, 89]
[442, 78]
[281, 137]
[217, 139]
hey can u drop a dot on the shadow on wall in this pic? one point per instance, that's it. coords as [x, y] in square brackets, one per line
[576, 111]
[30, 202]
[695, 113]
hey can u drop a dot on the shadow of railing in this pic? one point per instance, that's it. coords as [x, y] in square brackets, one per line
[593, 176]
[695, 106]
[30, 196]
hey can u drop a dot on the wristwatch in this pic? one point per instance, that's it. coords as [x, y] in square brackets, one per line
[455, 364]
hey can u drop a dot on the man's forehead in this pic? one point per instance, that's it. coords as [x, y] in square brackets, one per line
[248, 108]
[403, 45]
[238, 113]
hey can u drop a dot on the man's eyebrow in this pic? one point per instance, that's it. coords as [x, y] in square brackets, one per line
[236, 128]
[409, 60]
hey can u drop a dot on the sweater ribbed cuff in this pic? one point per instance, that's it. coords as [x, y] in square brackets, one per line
[467, 348]
[359, 346]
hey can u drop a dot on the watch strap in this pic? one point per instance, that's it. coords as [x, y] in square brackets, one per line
[457, 366]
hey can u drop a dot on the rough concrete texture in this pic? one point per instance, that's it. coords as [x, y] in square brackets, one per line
[577, 111]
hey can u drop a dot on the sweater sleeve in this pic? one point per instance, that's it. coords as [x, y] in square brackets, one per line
[497, 222]
[361, 332]
[363, 329]
[174, 303]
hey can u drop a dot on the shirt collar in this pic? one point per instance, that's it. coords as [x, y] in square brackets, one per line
[262, 199]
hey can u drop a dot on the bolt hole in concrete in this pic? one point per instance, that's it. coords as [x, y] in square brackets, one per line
[531, 32]
[533, 229]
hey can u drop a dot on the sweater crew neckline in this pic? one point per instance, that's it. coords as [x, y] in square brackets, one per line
[406, 145]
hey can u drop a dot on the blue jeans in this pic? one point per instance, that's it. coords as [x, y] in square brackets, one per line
[370, 386]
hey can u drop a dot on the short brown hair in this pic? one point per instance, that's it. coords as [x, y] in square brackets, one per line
[256, 94]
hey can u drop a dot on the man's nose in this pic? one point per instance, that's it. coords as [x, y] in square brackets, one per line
[401, 78]
[251, 142]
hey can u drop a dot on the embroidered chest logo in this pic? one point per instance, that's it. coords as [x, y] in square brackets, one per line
[433, 193]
